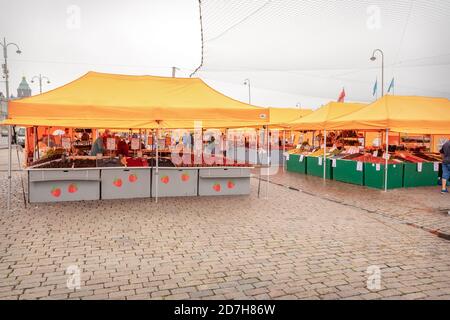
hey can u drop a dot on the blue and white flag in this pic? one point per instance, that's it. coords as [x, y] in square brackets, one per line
[391, 86]
[375, 88]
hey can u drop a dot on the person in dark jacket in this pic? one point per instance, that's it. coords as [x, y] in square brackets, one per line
[445, 152]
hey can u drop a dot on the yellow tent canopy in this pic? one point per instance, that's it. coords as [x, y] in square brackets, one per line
[319, 119]
[100, 100]
[408, 114]
[282, 116]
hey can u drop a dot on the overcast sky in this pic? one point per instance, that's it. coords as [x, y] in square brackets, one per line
[293, 51]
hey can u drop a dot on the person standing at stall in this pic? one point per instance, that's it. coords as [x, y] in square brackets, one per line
[445, 152]
[99, 146]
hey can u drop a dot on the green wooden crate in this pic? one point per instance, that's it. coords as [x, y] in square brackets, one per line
[346, 171]
[314, 169]
[295, 165]
[374, 176]
[413, 178]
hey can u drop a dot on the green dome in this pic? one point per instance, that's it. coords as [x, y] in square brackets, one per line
[24, 85]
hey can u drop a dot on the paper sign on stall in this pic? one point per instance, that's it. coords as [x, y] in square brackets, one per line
[300, 159]
[386, 156]
[378, 167]
[320, 161]
[419, 167]
[375, 153]
[359, 166]
[111, 144]
[139, 154]
[333, 163]
[65, 143]
[135, 144]
[436, 166]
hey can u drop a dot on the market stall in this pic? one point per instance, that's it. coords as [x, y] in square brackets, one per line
[399, 152]
[312, 159]
[123, 102]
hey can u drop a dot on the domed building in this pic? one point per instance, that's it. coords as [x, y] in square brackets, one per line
[24, 89]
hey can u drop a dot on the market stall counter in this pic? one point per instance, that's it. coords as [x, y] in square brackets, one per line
[54, 185]
[374, 175]
[224, 181]
[348, 171]
[421, 174]
[175, 181]
[296, 163]
[125, 183]
[314, 167]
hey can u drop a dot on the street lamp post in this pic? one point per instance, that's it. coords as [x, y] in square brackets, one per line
[247, 83]
[40, 78]
[5, 46]
[373, 58]
[386, 154]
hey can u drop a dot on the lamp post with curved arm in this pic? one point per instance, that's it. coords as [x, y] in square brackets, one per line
[373, 58]
[40, 78]
[5, 46]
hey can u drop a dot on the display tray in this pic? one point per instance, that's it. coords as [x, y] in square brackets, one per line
[313, 167]
[428, 176]
[55, 185]
[224, 181]
[295, 164]
[347, 171]
[125, 183]
[374, 175]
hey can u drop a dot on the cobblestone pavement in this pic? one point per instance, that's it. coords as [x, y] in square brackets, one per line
[423, 207]
[292, 245]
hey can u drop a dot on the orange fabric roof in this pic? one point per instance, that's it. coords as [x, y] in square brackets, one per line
[408, 114]
[100, 100]
[320, 118]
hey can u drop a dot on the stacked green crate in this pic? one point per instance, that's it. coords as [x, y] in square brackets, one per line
[314, 167]
[348, 171]
[414, 176]
[296, 163]
[374, 175]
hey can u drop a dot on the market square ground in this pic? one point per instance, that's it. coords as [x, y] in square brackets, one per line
[314, 243]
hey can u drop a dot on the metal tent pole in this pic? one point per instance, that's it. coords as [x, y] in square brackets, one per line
[324, 154]
[257, 162]
[157, 167]
[386, 161]
[268, 162]
[9, 167]
[284, 150]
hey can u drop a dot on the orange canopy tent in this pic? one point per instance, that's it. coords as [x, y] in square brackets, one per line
[320, 118]
[100, 100]
[406, 114]
[282, 116]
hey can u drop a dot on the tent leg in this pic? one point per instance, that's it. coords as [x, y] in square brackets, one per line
[324, 154]
[268, 162]
[9, 168]
[284, 150]
[386, 161]
[157, 167]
